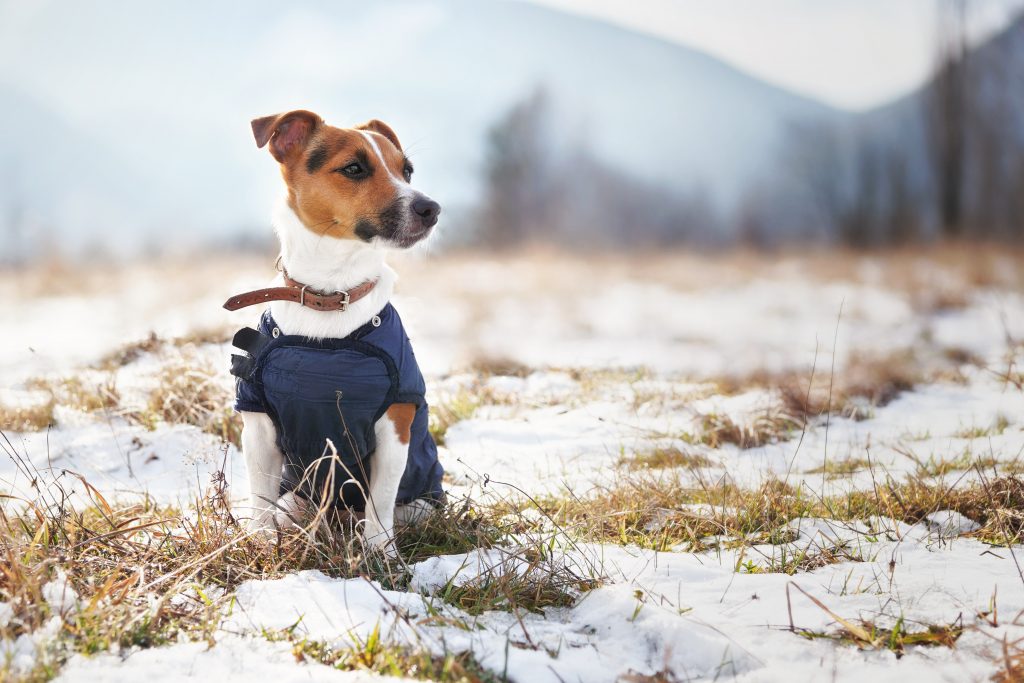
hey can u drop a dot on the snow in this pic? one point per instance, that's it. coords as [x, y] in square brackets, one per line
[433, 574]
[983, 327]
[6, 614]
[22, 654]
[950, 524]
[171, 464]
[690, 613]
[619, 365]
[232, 660]
[108, 309]
[595, 639]
[60, 596]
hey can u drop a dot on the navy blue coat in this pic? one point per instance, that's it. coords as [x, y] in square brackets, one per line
[337, 389]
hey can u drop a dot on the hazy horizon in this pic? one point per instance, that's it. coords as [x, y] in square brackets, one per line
[130, 120]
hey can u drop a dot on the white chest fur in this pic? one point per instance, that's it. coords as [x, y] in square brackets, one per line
[328, 265]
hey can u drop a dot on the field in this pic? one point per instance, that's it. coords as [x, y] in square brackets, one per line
[661, 468]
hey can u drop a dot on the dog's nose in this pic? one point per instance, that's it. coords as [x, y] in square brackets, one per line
[428, 211]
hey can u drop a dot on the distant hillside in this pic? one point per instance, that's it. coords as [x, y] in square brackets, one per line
[154, 102]
[65, 186]
[990, 131]
[946, 159]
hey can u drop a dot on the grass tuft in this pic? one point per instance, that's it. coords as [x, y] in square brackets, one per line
[663, 509]
[451, 408]
[79, 394]
[189, 391]
[661, 458]
[147, 575]
[27, 418]
[841, 468]
[381, 658]
[490, 366]
[869, 636]
[133, 351]
[786, 558]
[866, 382]
[770, 426]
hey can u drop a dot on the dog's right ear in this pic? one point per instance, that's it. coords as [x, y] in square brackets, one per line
[287, 133]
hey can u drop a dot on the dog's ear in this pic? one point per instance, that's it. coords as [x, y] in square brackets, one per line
[286, 133]
[382, 128]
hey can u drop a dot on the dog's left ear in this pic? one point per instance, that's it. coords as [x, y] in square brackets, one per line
[382, 128]
[286, 133]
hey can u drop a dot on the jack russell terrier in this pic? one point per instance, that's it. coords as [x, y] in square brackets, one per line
[331, 397]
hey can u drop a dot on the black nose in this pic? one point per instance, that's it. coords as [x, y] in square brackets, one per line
[428, 211]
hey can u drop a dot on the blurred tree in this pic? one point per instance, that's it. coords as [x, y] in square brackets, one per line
[541, 189]
[517, 202]
[902, 222]
[946, 115]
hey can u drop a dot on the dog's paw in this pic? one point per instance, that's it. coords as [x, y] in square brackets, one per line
[290, 512]
[260, 527]
[413, 513]
[379, 540]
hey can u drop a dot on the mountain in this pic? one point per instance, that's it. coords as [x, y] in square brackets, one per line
[976, 107]
[945, 159]
[67, 186]
[154, 100]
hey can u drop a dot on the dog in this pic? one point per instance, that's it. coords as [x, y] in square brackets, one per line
[331, 398]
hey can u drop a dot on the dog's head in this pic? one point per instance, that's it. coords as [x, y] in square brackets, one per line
[347, 183]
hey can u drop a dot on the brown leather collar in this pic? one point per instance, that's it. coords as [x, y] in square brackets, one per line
[301, 294]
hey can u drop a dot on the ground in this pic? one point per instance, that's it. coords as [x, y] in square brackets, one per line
[667, 467]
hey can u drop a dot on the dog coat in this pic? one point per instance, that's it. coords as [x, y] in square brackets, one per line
[337, 389]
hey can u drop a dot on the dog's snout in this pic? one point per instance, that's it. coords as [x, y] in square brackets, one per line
[427, 209]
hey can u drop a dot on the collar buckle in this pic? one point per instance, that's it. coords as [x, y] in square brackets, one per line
[343, 304]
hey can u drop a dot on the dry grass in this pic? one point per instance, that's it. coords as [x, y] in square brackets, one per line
[133, 351]
[661, 509]
[27, 418]
[940, 467]
[126, 562]
[856, 390]
[129, 353]
[72, 392]
[102, 550]
[866, 635]
[769, 426]
[841, 468]
[1012, 663]
[661, 458]
[864, 384]
[997, 428]
[787, 558]
[491, 366]
[667, 509]
[452, 408]
[80, 394]
[527, 580]
[189, 391]
[388, 660]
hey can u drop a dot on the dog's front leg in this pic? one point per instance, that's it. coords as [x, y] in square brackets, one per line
[386, 471]
[263, 460]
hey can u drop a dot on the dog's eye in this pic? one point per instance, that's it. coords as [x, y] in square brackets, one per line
[353, 170]
[407, 172]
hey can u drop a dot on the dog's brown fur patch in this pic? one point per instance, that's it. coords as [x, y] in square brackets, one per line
[402, 415]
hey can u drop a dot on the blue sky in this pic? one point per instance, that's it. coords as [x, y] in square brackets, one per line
[854, 54]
